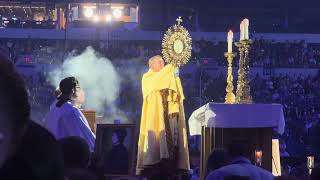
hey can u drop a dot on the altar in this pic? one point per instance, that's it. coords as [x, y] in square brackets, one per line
[219, 124]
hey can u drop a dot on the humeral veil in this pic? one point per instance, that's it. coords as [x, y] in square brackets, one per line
[163, 133]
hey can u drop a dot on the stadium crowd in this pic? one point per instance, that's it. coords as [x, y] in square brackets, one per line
[264, 53]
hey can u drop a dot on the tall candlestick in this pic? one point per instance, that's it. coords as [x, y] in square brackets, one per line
[246, 28]
[241, 31]
[230, 97]
[243, 87]
[230, 39]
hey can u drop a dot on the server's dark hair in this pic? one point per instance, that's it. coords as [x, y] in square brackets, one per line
[65, 87]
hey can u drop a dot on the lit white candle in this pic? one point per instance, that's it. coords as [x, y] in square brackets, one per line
[241, 31]
[258, 157]
[246, 28]
[230, 39]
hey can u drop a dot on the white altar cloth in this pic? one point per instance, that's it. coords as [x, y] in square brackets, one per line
[237, 116]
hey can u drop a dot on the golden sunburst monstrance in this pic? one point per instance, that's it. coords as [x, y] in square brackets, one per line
[176, 45]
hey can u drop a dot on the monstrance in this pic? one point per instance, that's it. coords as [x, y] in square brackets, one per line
[176, 45]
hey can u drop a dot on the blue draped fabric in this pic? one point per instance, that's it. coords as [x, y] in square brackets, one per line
[68, 120]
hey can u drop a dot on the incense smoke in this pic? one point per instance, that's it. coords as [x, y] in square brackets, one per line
[97, 77]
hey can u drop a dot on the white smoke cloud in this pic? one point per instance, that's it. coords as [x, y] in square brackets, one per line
[97, 77]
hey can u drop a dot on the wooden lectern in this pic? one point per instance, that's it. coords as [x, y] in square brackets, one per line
[91, 118]
[220, 124]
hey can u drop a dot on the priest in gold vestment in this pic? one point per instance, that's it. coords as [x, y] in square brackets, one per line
[163, 145]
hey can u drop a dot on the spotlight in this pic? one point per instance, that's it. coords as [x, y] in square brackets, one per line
[96, 18]
[88, 12]
[108, 18]
[117, 13]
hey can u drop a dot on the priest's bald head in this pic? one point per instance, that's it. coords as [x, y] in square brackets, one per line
[156, 63]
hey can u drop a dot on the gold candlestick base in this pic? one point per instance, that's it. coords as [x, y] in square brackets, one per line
[243, 94]
[230, 97]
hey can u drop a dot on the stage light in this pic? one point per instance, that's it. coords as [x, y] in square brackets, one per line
[108, 18]
[117, 13]
[96, 18]
[88, 12]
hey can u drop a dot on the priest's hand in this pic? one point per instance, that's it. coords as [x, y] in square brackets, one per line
[176, 72]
